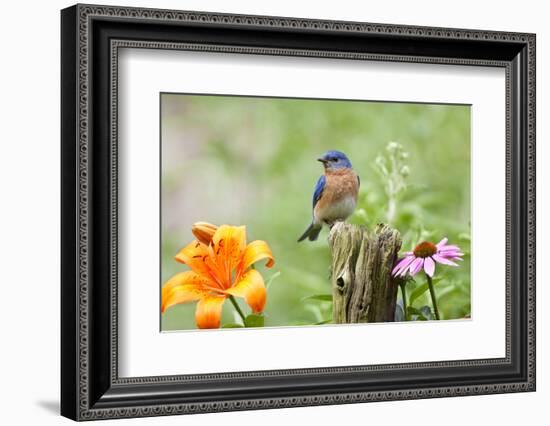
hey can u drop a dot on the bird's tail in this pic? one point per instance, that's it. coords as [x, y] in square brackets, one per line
[312, 232]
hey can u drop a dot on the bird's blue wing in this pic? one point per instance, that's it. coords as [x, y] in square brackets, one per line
[319, 187]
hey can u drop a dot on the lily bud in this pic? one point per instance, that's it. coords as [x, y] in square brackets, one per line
[204, 231]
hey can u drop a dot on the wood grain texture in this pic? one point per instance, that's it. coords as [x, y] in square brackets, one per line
[362, 287]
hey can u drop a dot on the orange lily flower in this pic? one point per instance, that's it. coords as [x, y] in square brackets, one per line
[221, 266]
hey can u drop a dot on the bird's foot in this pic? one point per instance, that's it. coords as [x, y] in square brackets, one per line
[334, 222]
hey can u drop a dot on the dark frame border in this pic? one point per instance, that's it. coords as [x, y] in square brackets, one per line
[90, 386]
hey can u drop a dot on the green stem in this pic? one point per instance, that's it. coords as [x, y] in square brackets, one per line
[404, 293]
[432, 293]
[237, 308]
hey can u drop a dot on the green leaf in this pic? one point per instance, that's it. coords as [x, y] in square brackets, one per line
[412, 311]
[414, 314]
[232, 325]
[417, 292]
[421, 289]
[329, 321]
[422, 314]
[319, 297]
[254, 320]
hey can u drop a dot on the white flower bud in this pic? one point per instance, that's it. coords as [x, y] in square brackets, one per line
[393, 146]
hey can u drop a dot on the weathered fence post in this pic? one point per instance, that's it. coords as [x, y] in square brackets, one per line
[362, 286]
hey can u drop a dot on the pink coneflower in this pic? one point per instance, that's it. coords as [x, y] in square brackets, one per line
[425, 255]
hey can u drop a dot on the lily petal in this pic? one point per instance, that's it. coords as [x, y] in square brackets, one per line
[182, 288]
[429, 266]
[228, 244]
[254, 252]
[209, 311]
[252, 288]
[230, 239]
[194, 256]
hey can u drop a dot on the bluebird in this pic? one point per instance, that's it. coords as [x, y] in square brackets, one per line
[335, 195]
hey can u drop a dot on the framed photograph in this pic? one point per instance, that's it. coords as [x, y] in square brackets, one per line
[263, 212]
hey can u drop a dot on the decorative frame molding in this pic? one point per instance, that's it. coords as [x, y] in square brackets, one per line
[91, 37]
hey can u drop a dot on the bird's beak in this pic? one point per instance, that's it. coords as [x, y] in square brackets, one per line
[322, 160]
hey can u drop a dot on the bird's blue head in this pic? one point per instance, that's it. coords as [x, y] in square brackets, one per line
[335, 160]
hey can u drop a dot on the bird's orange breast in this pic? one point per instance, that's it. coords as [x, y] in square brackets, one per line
[340, 183]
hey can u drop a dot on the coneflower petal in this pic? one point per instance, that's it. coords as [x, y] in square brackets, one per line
[443, 260]
[402, 264]
[429, 266]
[416, 266]
[448, 248]
[442, 243]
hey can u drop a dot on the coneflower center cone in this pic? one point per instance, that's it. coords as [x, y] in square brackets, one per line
[425, 249]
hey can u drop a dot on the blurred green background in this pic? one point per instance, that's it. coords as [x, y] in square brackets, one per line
[252, 161]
